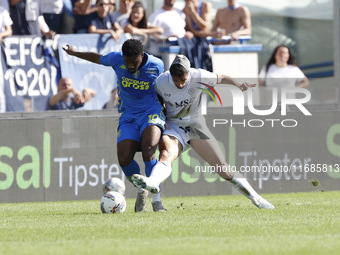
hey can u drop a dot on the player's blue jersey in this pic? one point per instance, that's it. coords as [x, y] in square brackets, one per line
[136, 91]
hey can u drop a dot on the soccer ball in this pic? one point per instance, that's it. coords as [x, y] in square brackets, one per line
[113, 202]
[114, 184]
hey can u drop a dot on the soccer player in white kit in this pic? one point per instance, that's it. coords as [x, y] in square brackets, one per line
[186, 127]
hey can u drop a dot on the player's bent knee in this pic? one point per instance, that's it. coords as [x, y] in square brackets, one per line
[124, 159]
[167, 155]
[148, 153]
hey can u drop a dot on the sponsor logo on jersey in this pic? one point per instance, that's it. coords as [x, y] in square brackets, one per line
[136, 84]
[208, 92]
[152, 70]
[184, 102]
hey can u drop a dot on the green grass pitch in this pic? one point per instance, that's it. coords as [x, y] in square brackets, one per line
[302, 223]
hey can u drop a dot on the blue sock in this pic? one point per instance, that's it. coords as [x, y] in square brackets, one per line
[149, 165]
[131, 169]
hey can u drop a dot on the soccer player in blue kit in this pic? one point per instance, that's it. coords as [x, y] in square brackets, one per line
[142, 120]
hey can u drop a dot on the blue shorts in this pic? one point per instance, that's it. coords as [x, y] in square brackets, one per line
[132, 125]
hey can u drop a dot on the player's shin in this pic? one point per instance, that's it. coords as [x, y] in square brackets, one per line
[149, 165]
[160, 172]
[240, 183]
[131, 169]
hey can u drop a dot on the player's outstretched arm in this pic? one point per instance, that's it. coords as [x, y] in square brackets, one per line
[89, 56]
[225, 79]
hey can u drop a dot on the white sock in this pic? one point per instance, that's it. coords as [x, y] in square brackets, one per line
[160, 172]
[156, 197]
[242, 185]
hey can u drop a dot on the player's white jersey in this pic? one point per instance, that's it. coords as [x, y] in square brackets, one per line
[185, 101]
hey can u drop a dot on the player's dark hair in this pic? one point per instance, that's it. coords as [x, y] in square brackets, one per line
[132, 48]
[177, 70]
[291, 60]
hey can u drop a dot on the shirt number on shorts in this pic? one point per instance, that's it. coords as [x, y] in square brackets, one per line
[154, 118]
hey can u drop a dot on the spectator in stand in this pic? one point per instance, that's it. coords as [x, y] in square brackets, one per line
[233, 20]
[103, 23]
[5, 30]
[137, 23]
[172, 21]
[113, 101]
[281, 70]
[198, 21]
[112, 4]
[5, 23]
[63, 100]
[123, 13]
[197, 16]
[27, 18]
[52, 11]
[81, 12]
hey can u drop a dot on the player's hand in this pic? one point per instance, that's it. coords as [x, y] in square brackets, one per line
[244, 86]
[69, 49]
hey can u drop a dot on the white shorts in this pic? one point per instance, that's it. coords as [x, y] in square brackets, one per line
[186, 129]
